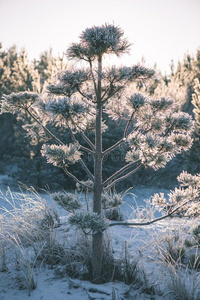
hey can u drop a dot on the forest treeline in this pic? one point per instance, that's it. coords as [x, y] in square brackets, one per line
[20, 155]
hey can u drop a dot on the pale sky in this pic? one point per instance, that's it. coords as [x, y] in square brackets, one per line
[160, 30]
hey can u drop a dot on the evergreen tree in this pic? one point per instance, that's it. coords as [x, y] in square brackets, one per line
[7, 59]
[17, 74]
[193, 156]
[196, 103]
[47, 67]
[23, 74]
[4, 73]
[179, 84]
[18, 148]
[154, 130]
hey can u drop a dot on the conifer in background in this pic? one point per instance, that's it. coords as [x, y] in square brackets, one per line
[17, 150]
[196, 103]
[180, 86]
[79, 102]
[47, 67]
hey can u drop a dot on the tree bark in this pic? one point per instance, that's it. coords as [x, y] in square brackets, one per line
[97, 242]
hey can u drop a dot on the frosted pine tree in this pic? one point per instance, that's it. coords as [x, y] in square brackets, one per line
[196, 103]
[23, 74]
[78, 101]
[185, 199]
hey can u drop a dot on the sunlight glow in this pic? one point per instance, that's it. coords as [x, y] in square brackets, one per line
[160, 30]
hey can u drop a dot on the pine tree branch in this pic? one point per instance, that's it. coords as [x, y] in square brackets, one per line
[85, 137]
[170, 214]
[110, 87]
[106, 91]
[61, 143]
[44, 127]
[120, 178]
[111, 95]
[115, 81]
[141, 223]
[80, 146]
[88, 141]
[113, 147]
[168, 129]
[119, 172]
[81, 161]
[86, 169]
[93, 79]
[75, 178]
[128, 124]
[84, 95]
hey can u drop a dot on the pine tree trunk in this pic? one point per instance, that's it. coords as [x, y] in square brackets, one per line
[97, 242]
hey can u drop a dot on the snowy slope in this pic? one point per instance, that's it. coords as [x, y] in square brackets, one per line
[143, 244]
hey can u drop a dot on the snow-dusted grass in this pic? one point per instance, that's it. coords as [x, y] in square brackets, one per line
[41, 256]
[182, 285]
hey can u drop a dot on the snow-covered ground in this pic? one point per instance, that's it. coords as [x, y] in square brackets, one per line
[143, 244]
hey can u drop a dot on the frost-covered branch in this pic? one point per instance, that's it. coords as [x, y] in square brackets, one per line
[88, 141]
[62, 156]
[84, 95]
[79, 145]
[85, 149]
[123, 140]
[16, 102]
[45, 128]
[86, 170]
[128, 125]
[93, 78]
[74, 178]
[111, 94]
[69, 82]
[97, 41]
[170, 214]
[119, 172]
[113, 147]
[122, 178]
[185, 199]
[89, 222]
